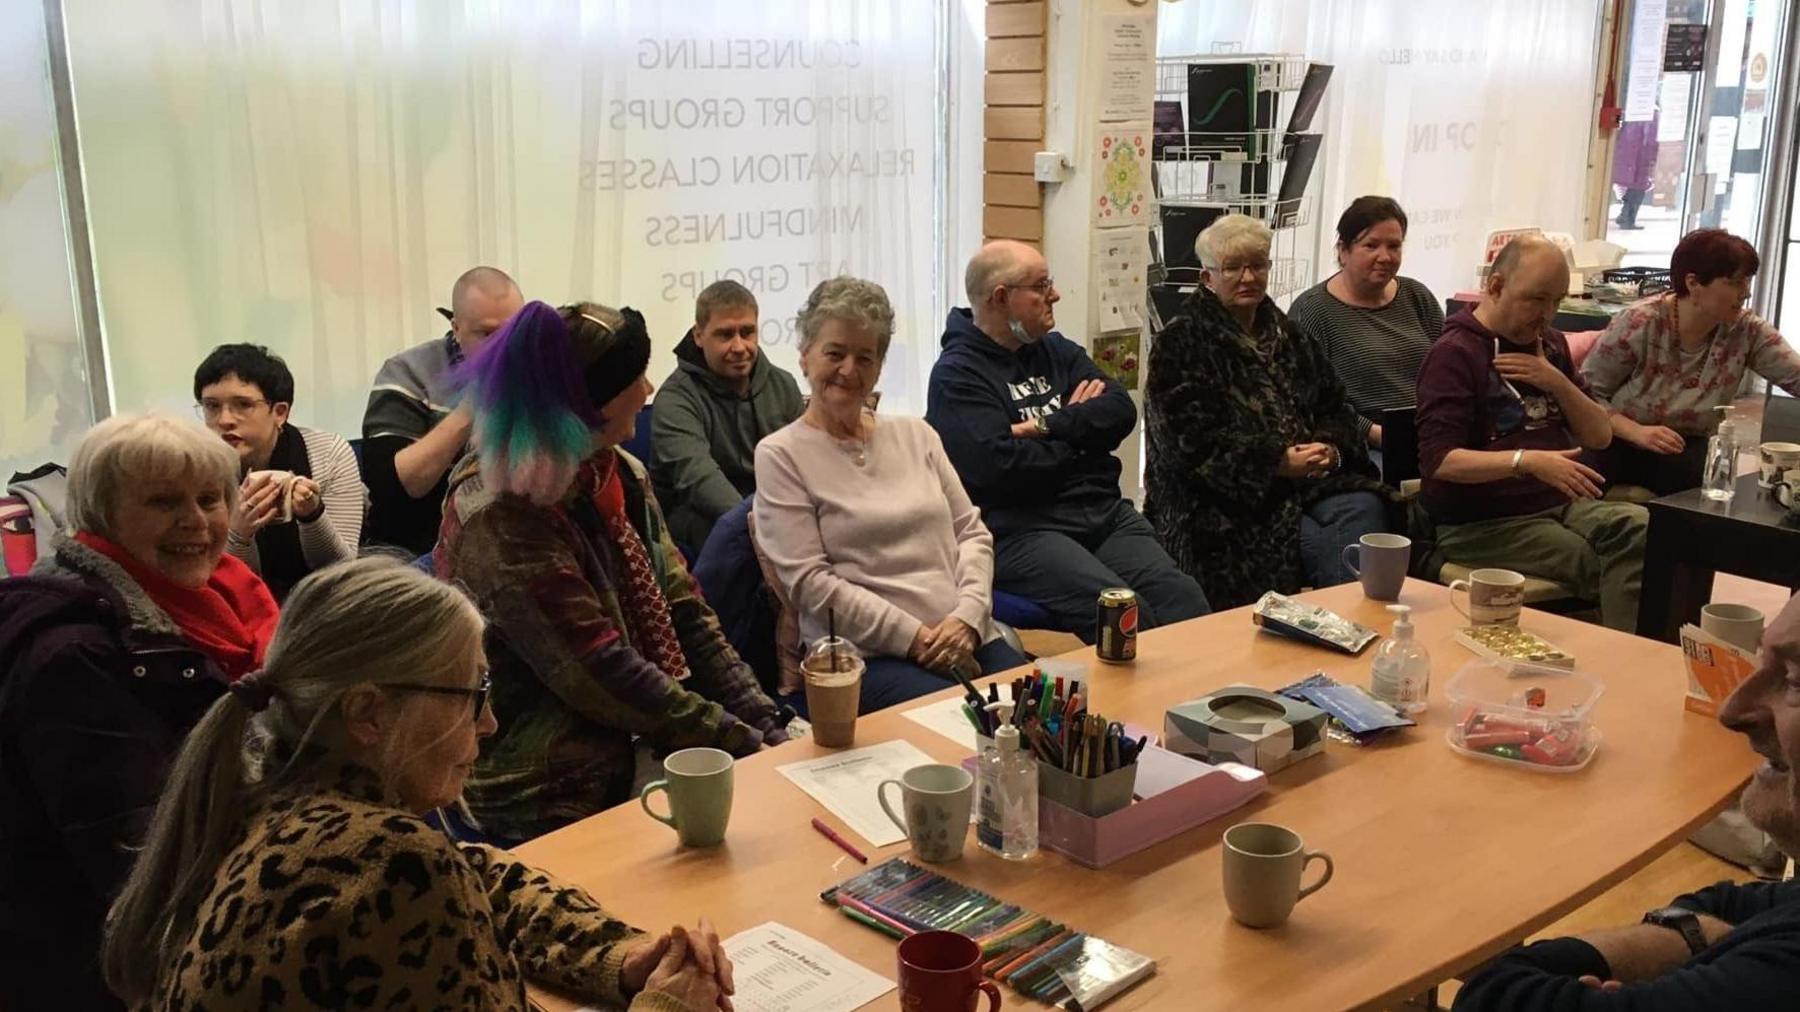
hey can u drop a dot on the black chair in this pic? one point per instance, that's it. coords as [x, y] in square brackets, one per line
[1781, 418]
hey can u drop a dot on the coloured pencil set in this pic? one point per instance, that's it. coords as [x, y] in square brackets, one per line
[1039, 958]
[1058, 729]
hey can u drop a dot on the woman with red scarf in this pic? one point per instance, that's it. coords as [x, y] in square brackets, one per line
[597, 634]
[109, 653]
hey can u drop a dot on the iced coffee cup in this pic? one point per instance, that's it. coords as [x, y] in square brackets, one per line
[834, 673]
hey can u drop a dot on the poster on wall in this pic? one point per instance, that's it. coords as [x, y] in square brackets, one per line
[1684, 49]
[1648, 18]
[1127, 90]
[1122, 165]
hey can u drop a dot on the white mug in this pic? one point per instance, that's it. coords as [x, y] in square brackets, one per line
[1495, 596]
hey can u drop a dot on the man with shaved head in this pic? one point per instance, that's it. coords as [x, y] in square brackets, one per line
[411, 436]
[1030, 424]
[1503, 417]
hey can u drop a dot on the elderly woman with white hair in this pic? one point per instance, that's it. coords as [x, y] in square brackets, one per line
[863, 519]
[110, 651]
[1257, 474]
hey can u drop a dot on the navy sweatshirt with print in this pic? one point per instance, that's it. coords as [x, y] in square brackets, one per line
[1067, 481]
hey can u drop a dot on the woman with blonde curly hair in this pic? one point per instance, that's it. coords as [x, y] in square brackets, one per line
[864, 521]
[598, 632]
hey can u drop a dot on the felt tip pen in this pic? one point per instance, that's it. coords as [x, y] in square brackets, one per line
[830, 834]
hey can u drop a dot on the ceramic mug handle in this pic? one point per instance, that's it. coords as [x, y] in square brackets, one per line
[993, 994]
[881, 796]
[1355, 568]
[644, 799]
[1309, 858]
[1464, 584]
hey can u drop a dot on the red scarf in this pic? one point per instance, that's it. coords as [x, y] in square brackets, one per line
[640, 596]
[230, 619]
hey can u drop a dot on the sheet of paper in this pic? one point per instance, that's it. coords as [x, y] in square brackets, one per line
[1646, 61]
[1125, 75]
[1121, 261]
[845, 783]
[946, 718]
[778, 969]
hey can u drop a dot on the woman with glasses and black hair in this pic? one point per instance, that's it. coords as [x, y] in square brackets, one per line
[305, 874]
[1257, 476]
[283, 527]
[600, 635]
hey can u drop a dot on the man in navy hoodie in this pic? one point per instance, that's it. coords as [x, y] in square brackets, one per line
[1030, 423]
[1727, 946]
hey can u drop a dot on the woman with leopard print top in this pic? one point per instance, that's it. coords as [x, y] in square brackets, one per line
[304, 877]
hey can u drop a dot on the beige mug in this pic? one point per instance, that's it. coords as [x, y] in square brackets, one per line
[1495, 596]
[284, 501]
[1737, 624]
[938, 799]
[698, 782]
[1774, 460]
[1263, 865]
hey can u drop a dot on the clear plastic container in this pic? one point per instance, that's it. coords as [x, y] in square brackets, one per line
[1525, 715]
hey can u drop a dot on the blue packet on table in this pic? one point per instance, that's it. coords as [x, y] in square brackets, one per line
[1358, 715]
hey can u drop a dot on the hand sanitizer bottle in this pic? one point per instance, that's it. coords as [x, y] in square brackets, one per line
[1719, 481]
[1007, 792]
[1401, 675]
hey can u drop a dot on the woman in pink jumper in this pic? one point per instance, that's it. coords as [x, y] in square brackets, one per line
[864, 521]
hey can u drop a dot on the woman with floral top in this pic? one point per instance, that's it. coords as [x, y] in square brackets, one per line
[1666, 363]
[303, 876]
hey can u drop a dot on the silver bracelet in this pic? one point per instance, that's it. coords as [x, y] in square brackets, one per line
[1518, 458]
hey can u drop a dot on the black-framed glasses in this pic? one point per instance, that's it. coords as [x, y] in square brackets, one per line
[479, 693]
[238, 406]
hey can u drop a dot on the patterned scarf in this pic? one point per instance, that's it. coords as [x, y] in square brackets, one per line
[640, 595]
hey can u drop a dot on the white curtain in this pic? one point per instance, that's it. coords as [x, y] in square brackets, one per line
[313, 175]
[1474, 114]
[44, 405]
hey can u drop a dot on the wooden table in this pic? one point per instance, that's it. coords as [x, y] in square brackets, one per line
[1691, 538]
[1442, 861]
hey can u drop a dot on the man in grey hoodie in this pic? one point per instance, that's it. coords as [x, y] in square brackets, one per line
[720, 401]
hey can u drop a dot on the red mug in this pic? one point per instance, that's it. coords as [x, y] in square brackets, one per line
[940, 971]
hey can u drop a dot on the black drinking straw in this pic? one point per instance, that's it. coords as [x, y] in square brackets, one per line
[831, 631]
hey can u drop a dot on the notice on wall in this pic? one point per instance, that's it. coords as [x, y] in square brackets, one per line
[1684, 49]
[1677, 89]
[1126, 87]
[1648, 19]
[1721, 133]
[1122, 165]
[1121, 261]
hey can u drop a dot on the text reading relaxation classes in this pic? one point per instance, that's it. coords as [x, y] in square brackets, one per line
[796, 166]
[747, 54]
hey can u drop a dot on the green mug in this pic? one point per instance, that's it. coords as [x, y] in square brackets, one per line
[698, 783]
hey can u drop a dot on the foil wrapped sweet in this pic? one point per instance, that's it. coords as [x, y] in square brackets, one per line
[1294, 618]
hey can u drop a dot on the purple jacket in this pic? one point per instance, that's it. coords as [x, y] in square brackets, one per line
[1634, 155]
[97, 690]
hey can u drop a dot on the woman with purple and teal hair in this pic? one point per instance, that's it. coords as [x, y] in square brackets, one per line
[598, 631]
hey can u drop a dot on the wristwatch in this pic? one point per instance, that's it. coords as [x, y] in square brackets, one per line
[1685, 921]
[1040, 425]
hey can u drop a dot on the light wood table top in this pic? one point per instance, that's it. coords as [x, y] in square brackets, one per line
[1442, 861]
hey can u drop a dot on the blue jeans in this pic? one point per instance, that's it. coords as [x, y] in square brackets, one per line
[1065, 576]
[1329, 525]
[890, 680]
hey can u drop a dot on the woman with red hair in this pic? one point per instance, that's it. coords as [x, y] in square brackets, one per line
[1666, 363]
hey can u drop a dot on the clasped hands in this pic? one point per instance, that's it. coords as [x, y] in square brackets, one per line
[690, 965]
[260, 505]
[1307, 460]
[945, 647]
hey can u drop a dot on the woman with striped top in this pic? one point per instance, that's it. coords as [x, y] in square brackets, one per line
[244, 393]
[1374, 325]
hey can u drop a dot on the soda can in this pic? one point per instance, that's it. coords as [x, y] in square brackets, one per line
[1115, 640]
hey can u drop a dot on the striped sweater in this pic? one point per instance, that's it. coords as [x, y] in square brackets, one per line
[1375, 352]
